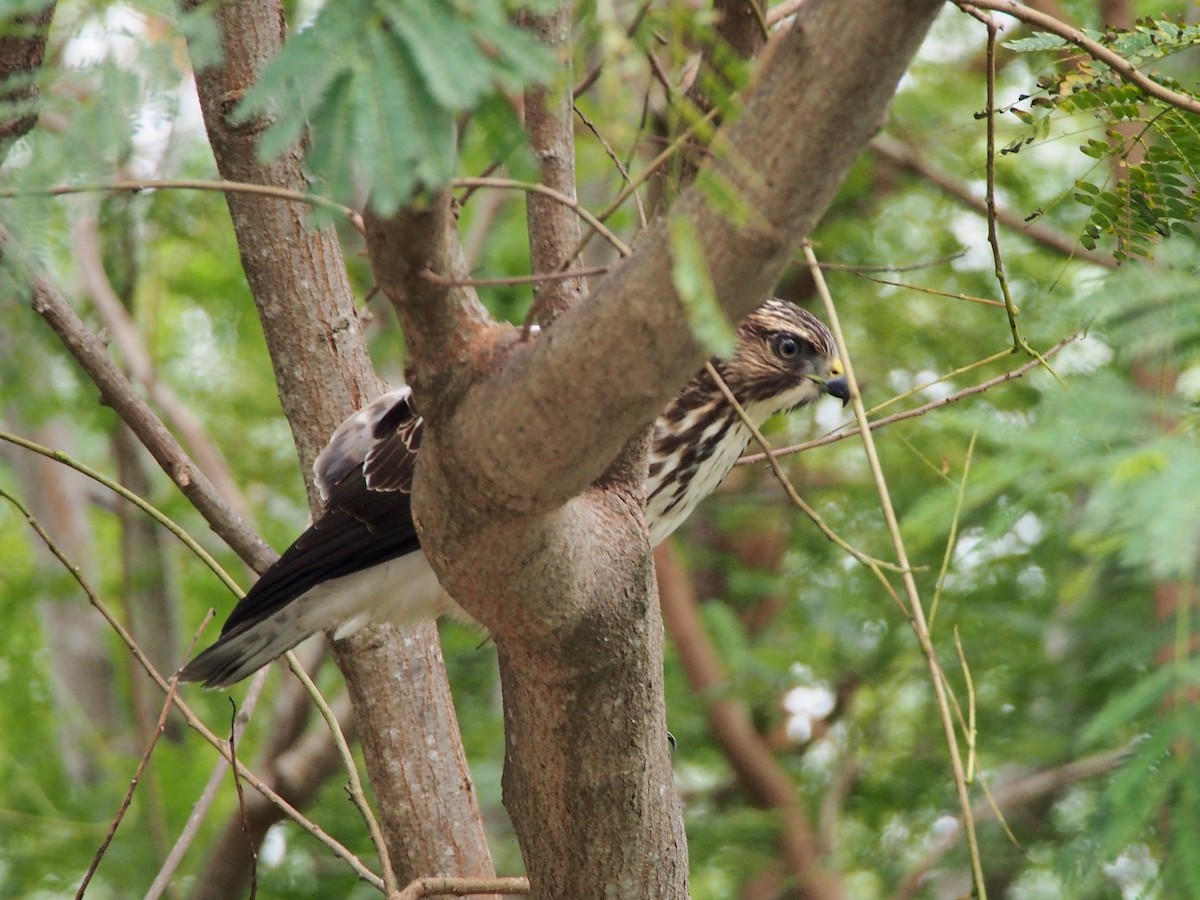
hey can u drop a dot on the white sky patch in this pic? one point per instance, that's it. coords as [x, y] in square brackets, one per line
[115, 35]
[970, 230]
[944, 827]
[274, 847]
[828, 415]
[199, 357]
[1187, 385]
[1083, 356]
[806, 705]
[1134, 872]
[974, 549]
[120, 35]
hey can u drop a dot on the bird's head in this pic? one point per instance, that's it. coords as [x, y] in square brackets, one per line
[785, 357]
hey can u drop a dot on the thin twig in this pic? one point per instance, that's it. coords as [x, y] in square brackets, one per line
[970, 731]
[357, 795]
[188, 184]
[860, 269]
[914, 611]
[126, 494]
[1019, 343]
[534, 187]
[655, 164]
[463, 887]
[985, 301]
[921, 410]
[612, 154]
[189, 715]
[952, 539]
[241, 798]
[137, 775]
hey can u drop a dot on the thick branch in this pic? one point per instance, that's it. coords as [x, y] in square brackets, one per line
[300, 286]
[822, 91]
[554, 231]
[560, 572]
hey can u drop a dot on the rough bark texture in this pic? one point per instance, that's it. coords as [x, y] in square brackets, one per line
[560, 572]
[821, 92]
[553, 228]
[307, 310]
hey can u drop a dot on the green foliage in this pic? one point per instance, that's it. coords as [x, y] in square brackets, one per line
[1156, 145]
[378, 87]
[689, 271]
[1077, 512]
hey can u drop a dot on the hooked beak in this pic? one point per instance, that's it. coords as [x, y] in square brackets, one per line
[838, 387]
[836, 384]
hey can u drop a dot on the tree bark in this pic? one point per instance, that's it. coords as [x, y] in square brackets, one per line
[306, 306]
[555, 563]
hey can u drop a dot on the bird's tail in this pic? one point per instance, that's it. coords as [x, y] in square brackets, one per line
[403, 590]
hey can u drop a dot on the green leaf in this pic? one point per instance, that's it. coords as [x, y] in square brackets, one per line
[380, 86]
[689, 272]
[1040, 41]
[1143, 698]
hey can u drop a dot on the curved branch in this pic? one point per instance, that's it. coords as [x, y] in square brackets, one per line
[116, 391]
[906, 157]
[1119, 64]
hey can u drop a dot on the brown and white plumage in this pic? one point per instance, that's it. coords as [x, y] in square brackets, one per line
[361, 560]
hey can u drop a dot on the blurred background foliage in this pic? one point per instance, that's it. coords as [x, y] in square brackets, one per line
[1056, 517]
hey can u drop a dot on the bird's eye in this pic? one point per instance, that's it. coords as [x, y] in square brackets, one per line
[786, 346]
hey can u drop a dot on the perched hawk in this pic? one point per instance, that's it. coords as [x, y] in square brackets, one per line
[361, 559]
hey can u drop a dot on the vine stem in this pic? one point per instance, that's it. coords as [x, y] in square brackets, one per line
[223, 747]
[189, 184]
[914, 609]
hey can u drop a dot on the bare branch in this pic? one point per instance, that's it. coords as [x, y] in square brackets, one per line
[906, 157]
[116, 391]
[553, 229]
